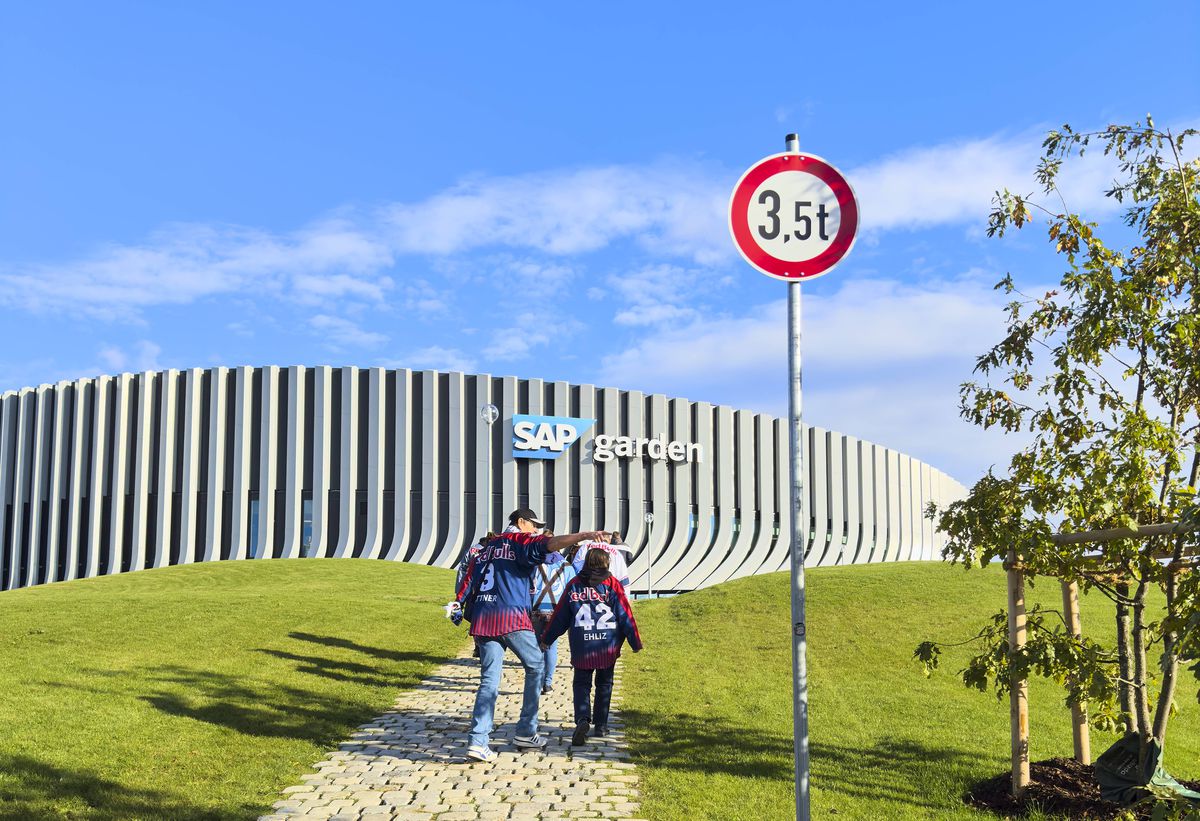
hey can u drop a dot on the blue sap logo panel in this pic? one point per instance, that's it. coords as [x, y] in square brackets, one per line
[545, 437]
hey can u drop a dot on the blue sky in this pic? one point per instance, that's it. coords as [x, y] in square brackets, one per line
[540, 189]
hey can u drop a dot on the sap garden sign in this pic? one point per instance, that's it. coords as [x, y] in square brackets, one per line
[548, 437]
[606, 448]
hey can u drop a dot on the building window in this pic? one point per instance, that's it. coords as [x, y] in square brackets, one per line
[306, 508]
[253, 546]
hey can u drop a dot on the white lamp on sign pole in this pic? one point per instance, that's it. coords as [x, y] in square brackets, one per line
[649, 555]
[488, 414]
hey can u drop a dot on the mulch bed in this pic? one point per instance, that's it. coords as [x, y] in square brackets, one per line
[1057, 785]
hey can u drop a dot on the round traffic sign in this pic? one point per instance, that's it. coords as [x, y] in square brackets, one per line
[793, 216]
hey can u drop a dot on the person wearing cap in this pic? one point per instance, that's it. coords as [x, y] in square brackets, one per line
[495, 594]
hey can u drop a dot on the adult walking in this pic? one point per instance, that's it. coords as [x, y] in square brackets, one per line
[549, 581]
[494, 595]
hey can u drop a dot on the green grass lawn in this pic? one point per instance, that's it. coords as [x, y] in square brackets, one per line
[201, 691]
[708, 704]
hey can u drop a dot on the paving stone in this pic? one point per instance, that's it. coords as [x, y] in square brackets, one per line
[410, 763]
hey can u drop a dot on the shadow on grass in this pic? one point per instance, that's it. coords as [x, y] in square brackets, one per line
[256, 707]
[283, 706]
[903, 771]
[366, 649]
[347, 671]
[34, 790]
[265, 709]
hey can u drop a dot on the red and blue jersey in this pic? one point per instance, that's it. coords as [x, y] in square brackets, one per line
[599, 620]
[497, 583]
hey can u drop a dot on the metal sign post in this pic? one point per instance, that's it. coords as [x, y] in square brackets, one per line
[799, 528]
[793, 217]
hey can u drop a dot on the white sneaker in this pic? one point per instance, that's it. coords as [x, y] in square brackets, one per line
[477, 753]
[530, 742]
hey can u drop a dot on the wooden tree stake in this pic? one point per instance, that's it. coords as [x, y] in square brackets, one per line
[1079, 721]
[1019, 692]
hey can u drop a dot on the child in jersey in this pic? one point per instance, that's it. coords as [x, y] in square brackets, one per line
[597, 614]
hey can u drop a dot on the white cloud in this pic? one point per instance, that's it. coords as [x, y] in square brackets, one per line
[526, 332]
[705, 358]
[184, 263]
[112, 358]
[433, 357]
[342, 332]
[941, 184]
[531, 278]
[109, 359]
[143, 355]
[146, 355]
[424, 300]
[115, 359]
[658, 294]
[650, 314]
[316, 290]
[881, 323]
[339, 244]
[674, 211]
[955, 182]
[882, 360]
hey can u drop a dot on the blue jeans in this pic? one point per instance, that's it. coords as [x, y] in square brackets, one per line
[491, 662]
[550, 658]
[583, 691]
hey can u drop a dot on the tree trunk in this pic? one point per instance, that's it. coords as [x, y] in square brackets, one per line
[1141, 691]
[1170, 659]
[1124, 656]
[1170, 666]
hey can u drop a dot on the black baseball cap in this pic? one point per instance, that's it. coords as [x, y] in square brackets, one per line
[526, 514]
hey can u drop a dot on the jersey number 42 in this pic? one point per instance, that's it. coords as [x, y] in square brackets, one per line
[603, 621]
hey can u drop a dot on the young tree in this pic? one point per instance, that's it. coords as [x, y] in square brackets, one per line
[1104, 373]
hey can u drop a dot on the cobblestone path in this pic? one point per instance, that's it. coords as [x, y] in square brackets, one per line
[410, 762]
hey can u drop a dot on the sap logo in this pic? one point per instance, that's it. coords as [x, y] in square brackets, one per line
[546, 437]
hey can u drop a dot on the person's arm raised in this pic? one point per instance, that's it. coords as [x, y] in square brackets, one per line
[559, 543]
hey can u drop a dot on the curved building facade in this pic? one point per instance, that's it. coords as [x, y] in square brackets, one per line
[127, 472]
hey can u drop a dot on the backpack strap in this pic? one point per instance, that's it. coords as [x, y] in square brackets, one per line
[548, 584]
[541, 568]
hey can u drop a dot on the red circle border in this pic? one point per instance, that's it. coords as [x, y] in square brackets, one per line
[739, 218]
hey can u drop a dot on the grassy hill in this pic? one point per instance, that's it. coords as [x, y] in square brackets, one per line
[201, 691]
[709, 703]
